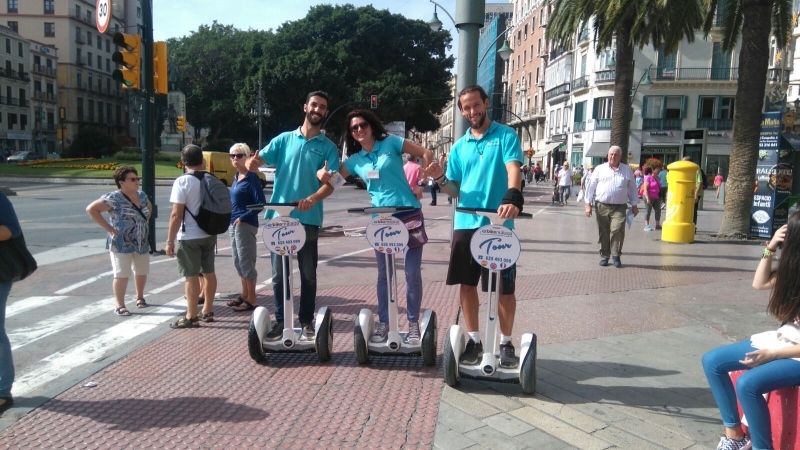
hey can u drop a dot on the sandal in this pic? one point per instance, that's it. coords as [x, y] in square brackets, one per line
[122, 311]
[245, 307]
[183, 322]
[236, 302]
[140, 303]
[206, 317]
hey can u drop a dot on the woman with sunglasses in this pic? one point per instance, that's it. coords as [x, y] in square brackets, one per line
[376, 157]
[128, 234]
[245, 190]
[771, 359]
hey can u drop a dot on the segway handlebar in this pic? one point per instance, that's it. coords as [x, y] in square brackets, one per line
[263, 206]
[380, 209]
[485, 211]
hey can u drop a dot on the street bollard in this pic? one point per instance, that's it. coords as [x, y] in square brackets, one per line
[678, 226]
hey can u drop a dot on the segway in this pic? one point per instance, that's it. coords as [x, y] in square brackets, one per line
[389, 236]
[285, 236]
[494, 247]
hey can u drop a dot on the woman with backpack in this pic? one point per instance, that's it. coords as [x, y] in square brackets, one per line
[128, 234]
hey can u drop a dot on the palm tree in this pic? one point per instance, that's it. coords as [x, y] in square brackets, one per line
[753, 21]
[632, 22]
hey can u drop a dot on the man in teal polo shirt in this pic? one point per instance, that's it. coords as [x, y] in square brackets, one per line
[297, 155]
[483, 171]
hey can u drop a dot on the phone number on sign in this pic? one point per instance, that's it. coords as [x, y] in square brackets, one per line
[494, 259]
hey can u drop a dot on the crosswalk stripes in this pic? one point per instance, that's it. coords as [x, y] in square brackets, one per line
[30, 303]
[21, 337]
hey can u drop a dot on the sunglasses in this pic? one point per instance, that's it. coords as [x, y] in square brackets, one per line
[237, 156]
[134, 179]
[362, 126]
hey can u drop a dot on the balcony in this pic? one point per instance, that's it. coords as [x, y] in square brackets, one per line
[557, 92]
[662, 124]
[12, 101]
[80, 61]
[89, 20]
[49, 71]
[24, 76]
[715, 124]
[536, 113]
[774, 75]
[602, 124]
[605, 76]
[695, 74]
[580, 83]
[578, 127]
[79, 39]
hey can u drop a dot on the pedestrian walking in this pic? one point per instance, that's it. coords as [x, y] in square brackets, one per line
[652, 197]
[483, 172]
[128, 234]
[443, 163]
[297, 156]
[771, 359]
[433, 188]
[415, 176]
[585, 179]
[610, 189]
[564, 180]
[192, 247]
[375, 156]
[245, 190]
[718, 180]
[662, 177]
[9, 229]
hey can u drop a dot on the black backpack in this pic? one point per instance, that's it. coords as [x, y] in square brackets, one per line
[214, 215]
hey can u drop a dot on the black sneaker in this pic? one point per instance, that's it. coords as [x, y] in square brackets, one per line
[276, 332]
[472, 354]
[508, 357]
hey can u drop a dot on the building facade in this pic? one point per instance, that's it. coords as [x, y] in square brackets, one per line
[87, 95]
[16, 124]
[44, 98]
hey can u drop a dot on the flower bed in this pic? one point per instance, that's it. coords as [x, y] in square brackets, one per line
[104, 166]
[37, 162]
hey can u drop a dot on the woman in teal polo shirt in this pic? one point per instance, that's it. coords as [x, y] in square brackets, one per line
[376, 157]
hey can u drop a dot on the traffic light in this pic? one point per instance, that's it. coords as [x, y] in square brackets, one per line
[160, 80]
[129, 58]
[373, 101]
[181, 124]
[530, 153]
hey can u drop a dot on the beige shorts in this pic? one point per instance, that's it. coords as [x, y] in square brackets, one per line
[121, 264]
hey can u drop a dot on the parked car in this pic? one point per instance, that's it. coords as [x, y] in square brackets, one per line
[21, 157]
[219, 164]
[269, 173]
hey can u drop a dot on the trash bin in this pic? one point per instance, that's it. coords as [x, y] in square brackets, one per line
[678, 226]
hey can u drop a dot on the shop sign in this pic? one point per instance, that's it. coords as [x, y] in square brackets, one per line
[18, 136]
[558, 137]
[662, 133]
[660, 150]
[723, 134]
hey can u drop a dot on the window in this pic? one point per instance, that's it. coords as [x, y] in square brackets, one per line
[603, 108]
[77, 10]
[524, 57]
[652, 107]
[674, 107]
[605, 57]
[526, 31]
[14, 25]
[78, 33]
[566, 119]
[8, 46]
[108, 113]
[37, 86]
[108, 88]
[664, 107]
[90, 81]
[580, 112]
[108, 45]
[90, 108]
[80, 109]
[118, 114]
[537, 75]
[79, 55]
[89, 58]
[100, 112]
[50, 91]
[726, 108]
[49, 7]
[99, 62]
[706, 107]
[99, 43]
[539, 46]
[12, 120]
[49, 63]
[519, 37]
[531, 52]
[19, 50]
[12, 9]
[89, 37]
[108, 65]
[558, 121]
[583, 65]
[23, 122]
[99, 83]
[79, 78]
[552, 121]
[51, 119]
[138, 12]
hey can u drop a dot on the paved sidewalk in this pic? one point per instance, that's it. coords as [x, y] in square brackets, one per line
[618, 361]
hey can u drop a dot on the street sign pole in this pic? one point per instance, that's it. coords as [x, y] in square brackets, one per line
[148, 141]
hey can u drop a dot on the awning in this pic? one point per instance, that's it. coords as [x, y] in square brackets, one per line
[597, 150]
[790, 141]
[547, 148]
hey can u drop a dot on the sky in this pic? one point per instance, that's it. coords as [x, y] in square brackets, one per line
[176, 18]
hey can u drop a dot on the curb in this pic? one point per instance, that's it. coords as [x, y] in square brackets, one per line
[7, 191]
[73, 180]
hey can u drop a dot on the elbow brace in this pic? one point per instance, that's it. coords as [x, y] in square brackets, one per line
[514, 197]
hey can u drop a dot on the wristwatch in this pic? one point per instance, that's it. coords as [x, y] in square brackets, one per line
[444, 182]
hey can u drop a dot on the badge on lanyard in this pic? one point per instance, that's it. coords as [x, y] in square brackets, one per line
[373, 156]
[373, 174]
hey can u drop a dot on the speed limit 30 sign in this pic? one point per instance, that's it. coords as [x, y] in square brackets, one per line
[103, 15]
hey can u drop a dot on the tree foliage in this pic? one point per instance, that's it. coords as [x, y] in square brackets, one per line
[90, 142]
[349, 52]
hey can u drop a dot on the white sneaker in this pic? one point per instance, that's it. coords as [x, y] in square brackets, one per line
[380, 333]
[726, 443]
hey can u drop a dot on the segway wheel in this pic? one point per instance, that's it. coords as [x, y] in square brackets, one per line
[324, 339]
[429, 342]
[362, 353]
[254, 343]
[450, 364]
[527, 373]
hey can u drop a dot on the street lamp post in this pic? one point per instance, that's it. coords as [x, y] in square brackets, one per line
[62, 113]
[260, 110]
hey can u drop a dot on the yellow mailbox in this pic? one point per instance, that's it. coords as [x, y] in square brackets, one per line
[681, 179]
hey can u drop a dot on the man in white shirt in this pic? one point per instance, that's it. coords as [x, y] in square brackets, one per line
[610, 188]
[195, 248]
[564, 183]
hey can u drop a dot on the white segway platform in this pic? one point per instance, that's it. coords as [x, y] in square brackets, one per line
[496, 248]
[285, 236]
[389, 236]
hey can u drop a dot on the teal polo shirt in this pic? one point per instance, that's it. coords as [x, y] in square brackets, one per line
[296, 160]
[391, 187]
[480, 166]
